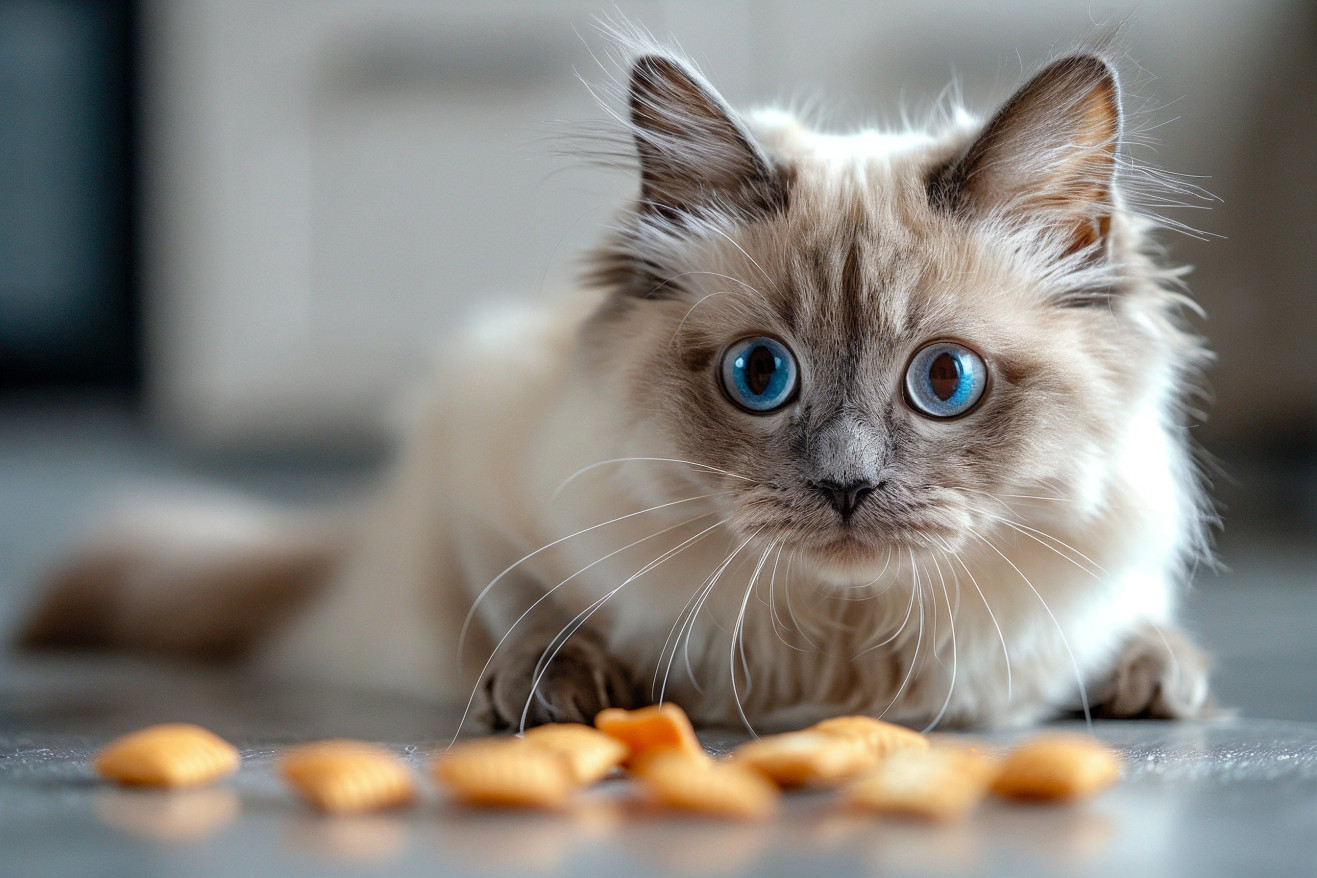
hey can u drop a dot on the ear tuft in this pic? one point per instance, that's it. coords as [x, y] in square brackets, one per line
[1048, 155]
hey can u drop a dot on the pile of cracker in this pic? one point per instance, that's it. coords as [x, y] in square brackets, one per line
[873, 766]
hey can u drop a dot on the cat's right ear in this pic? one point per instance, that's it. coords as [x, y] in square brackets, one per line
[694, 154]
[1048, 156]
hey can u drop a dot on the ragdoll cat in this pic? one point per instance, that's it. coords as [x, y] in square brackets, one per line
[879, 423]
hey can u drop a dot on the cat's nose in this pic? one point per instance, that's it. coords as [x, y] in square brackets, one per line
[846, 498]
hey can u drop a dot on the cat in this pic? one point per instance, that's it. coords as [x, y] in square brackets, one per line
[879, 423]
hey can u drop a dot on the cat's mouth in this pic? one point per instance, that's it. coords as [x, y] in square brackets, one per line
[849, 560]
[850, 552]
[860, 546]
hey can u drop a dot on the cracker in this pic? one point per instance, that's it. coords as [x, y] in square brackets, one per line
[880, 738]
[681, 781]
[507, 773]
[168, 755]
[657, 727]
[806, 758]
[930, 784]
[589, 753]
[1057, 767]
[347, 777]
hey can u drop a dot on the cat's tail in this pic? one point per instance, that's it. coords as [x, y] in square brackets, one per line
[198, 578]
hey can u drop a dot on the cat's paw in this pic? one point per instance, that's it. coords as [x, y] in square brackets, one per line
[1160, 674]
[581, 680]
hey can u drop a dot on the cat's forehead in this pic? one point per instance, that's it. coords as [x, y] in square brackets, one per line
[858, 255]
[858, 262]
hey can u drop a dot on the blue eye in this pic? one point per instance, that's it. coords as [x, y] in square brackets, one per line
[759, 374]
[945, 379]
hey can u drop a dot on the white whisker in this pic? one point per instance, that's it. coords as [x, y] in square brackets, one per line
[791, 607]
[934, 640]
[881, 573]
[705, 589]
[1006, 655]
[679, 626]
[708, 593]
[470, 615]
[585, 469]
[1065, 641]
[541, 666]
[951, 624]
[676, 333]
[1037, 535]
[738, 632]
[909, 611]
[728, 237]
[916, 588]
[779, 627]
[544, 597]
[996, 495]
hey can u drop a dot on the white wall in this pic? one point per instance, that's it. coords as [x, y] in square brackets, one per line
[330, 185]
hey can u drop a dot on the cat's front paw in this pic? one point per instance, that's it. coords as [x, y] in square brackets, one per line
[581, 680]
[1160, 674]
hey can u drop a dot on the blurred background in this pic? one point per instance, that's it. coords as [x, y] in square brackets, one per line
[232, 232]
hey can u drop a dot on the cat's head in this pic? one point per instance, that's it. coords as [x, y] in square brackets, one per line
[872, 343]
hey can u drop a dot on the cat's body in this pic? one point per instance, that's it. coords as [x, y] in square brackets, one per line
[602, 469]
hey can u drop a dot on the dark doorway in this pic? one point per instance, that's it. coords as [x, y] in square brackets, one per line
[69, 313]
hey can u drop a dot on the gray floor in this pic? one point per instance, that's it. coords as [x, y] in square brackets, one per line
[1228, 798]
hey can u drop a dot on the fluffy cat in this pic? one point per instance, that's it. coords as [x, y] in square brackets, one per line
[880, 423]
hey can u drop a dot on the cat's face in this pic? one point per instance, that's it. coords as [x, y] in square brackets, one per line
[873, 349]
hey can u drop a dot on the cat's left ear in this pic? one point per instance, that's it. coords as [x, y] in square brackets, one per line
[694, 153]
[1048, 156]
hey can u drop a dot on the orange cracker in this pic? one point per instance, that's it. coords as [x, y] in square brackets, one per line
[806, 758]
[1057, 767]
[347, 777]
[590, 754]
[881, 738]
[657, 727]
[168, 755]
[640, 765]
[672, 779]
[929, 784]
[506, 772]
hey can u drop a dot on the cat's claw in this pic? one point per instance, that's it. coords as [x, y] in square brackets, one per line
[1160, 674]
[582, 680]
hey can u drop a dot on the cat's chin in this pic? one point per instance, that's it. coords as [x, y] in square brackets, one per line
[849, 561]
